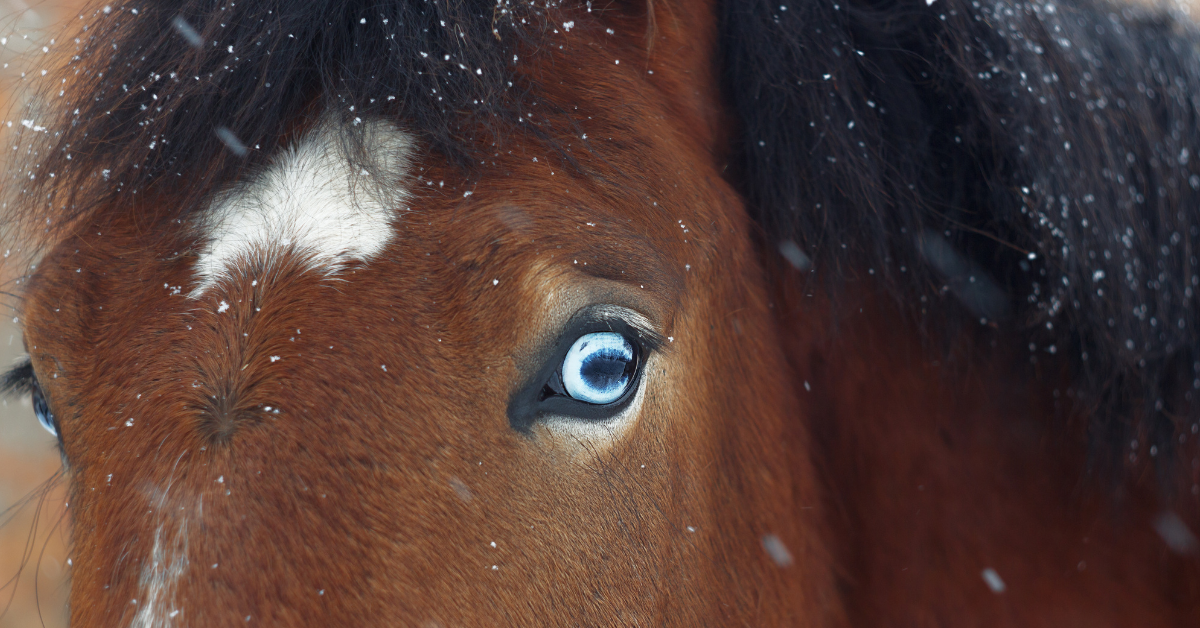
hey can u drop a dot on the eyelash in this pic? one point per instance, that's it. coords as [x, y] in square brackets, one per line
[19, 380]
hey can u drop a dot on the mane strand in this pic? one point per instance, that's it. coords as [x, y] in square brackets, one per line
[184, 97]
[1039, 152]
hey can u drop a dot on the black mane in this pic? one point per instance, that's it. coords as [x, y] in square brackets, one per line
[180, 98]
[1037, 161]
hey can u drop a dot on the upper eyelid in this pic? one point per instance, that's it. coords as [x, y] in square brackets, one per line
[639, 322]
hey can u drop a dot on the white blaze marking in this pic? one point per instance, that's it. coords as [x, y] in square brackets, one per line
[156, 602]
[313, 201]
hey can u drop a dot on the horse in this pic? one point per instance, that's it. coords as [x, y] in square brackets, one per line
[671, 313]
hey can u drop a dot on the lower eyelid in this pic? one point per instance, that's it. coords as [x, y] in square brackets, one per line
[585, 439]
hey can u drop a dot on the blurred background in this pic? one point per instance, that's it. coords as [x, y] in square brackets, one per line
[33, 537]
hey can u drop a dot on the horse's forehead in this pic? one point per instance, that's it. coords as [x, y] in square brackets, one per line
[311, 201]
[317, 209]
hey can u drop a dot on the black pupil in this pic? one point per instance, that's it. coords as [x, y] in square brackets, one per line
[606, 370]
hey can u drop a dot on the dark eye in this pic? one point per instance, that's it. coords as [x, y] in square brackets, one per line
[42, 410]
[599, 368]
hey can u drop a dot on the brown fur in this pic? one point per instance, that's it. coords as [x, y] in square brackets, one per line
[938, 468]
[373, 496]
[386, 488]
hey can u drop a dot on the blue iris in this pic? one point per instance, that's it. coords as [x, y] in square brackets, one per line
[599, 368]
[42, 410]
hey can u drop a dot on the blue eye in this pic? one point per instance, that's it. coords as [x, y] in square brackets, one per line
[599, 368]
[591, 374]
[42, 410]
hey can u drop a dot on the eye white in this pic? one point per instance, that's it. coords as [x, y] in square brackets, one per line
[597, 369]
